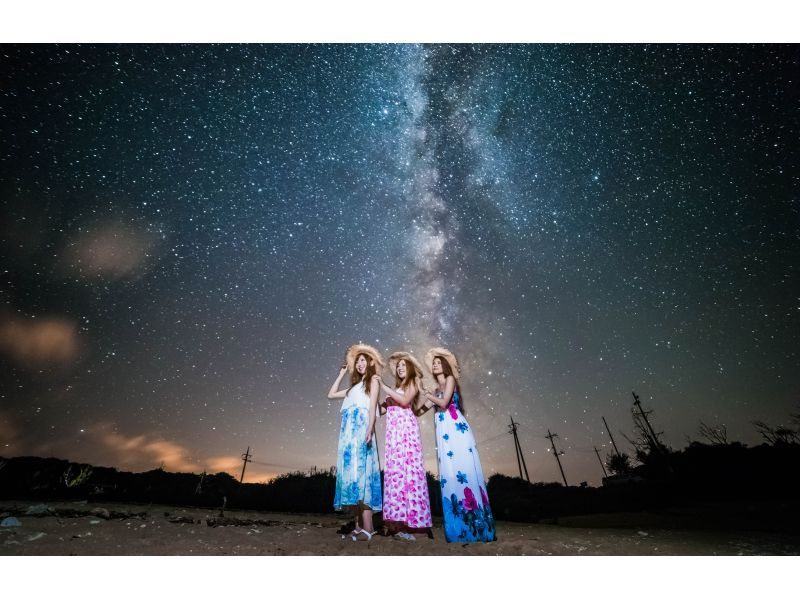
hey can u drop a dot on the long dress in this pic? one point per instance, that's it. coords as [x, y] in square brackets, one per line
[465, 504]
[358, 476]
[405, 486]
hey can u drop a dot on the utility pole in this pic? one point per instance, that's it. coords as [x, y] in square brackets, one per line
[657, 446]
[611, 437]
[550, 437]
[644, 413]
[199, 489]
[246, 458]
[597, 452]
[513, 430]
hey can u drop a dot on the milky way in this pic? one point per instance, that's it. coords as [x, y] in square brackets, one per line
[192, 236]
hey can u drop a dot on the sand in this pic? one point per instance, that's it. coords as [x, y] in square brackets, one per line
[169, 530]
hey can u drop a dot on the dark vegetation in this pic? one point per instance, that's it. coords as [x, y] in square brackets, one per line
[745, 482]
[718, 474]
[757, 485]
[36, 478]
[721, 483]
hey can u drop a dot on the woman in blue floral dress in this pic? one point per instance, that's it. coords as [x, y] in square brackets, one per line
[465, 504]
[358, 476]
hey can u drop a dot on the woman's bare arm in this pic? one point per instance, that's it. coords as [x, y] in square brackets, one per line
[444, 401]
[373, 404]
[402, 399]
[334, 392]
[424, 409]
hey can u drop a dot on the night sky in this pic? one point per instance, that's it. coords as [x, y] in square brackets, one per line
[192, 236]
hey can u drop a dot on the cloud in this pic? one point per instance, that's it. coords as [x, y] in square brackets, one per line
[228, 464]
[143, 452]
[103, 445]
[110, 250]
[146, 452]
[39, 342]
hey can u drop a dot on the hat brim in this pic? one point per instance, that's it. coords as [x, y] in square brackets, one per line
[447, 356]
[395, 358]
[368, 350]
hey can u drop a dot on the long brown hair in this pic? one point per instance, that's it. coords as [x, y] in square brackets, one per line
[448, 371]
[355, 377]
[411, 374]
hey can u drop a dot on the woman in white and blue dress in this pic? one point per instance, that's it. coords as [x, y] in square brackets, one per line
[358, 476]
[465, 504]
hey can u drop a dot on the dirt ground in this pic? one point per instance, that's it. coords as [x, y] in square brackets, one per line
[121, 529]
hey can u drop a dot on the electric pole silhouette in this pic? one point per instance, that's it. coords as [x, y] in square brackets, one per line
[520, 456]
[611, 437]
[656, 443]
[246, 458]
[199, 489]
[550, 436]
[644, 413]
[597, 452]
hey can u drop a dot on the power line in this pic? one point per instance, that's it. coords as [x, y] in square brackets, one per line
[276, 465]
[492, 439]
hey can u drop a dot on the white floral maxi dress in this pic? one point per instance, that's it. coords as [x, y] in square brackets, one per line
[465, 504]
[358, 476]
[405, 485]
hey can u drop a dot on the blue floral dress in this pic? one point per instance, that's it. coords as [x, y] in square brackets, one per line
[465, 504]
[358, 476]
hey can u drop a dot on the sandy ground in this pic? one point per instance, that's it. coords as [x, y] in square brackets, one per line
[169, 530]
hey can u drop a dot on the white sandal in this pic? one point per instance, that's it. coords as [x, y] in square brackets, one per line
[366, 533]
[353, 534]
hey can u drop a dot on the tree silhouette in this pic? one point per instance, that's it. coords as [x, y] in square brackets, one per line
[619, 463]
[716, 436]
[777, 435]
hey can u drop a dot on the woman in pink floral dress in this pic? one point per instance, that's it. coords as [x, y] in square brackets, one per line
[406, 506]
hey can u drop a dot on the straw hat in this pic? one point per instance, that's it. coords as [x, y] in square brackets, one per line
[367, 350]
[395, 358]
[446, 355]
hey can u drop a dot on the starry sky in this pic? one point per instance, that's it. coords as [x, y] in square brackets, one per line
[192, 235]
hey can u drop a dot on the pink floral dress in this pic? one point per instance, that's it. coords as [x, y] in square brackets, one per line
[405, 487]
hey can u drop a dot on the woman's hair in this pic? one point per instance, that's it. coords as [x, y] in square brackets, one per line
[411, 374]
[448, 371]
[355, 377]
